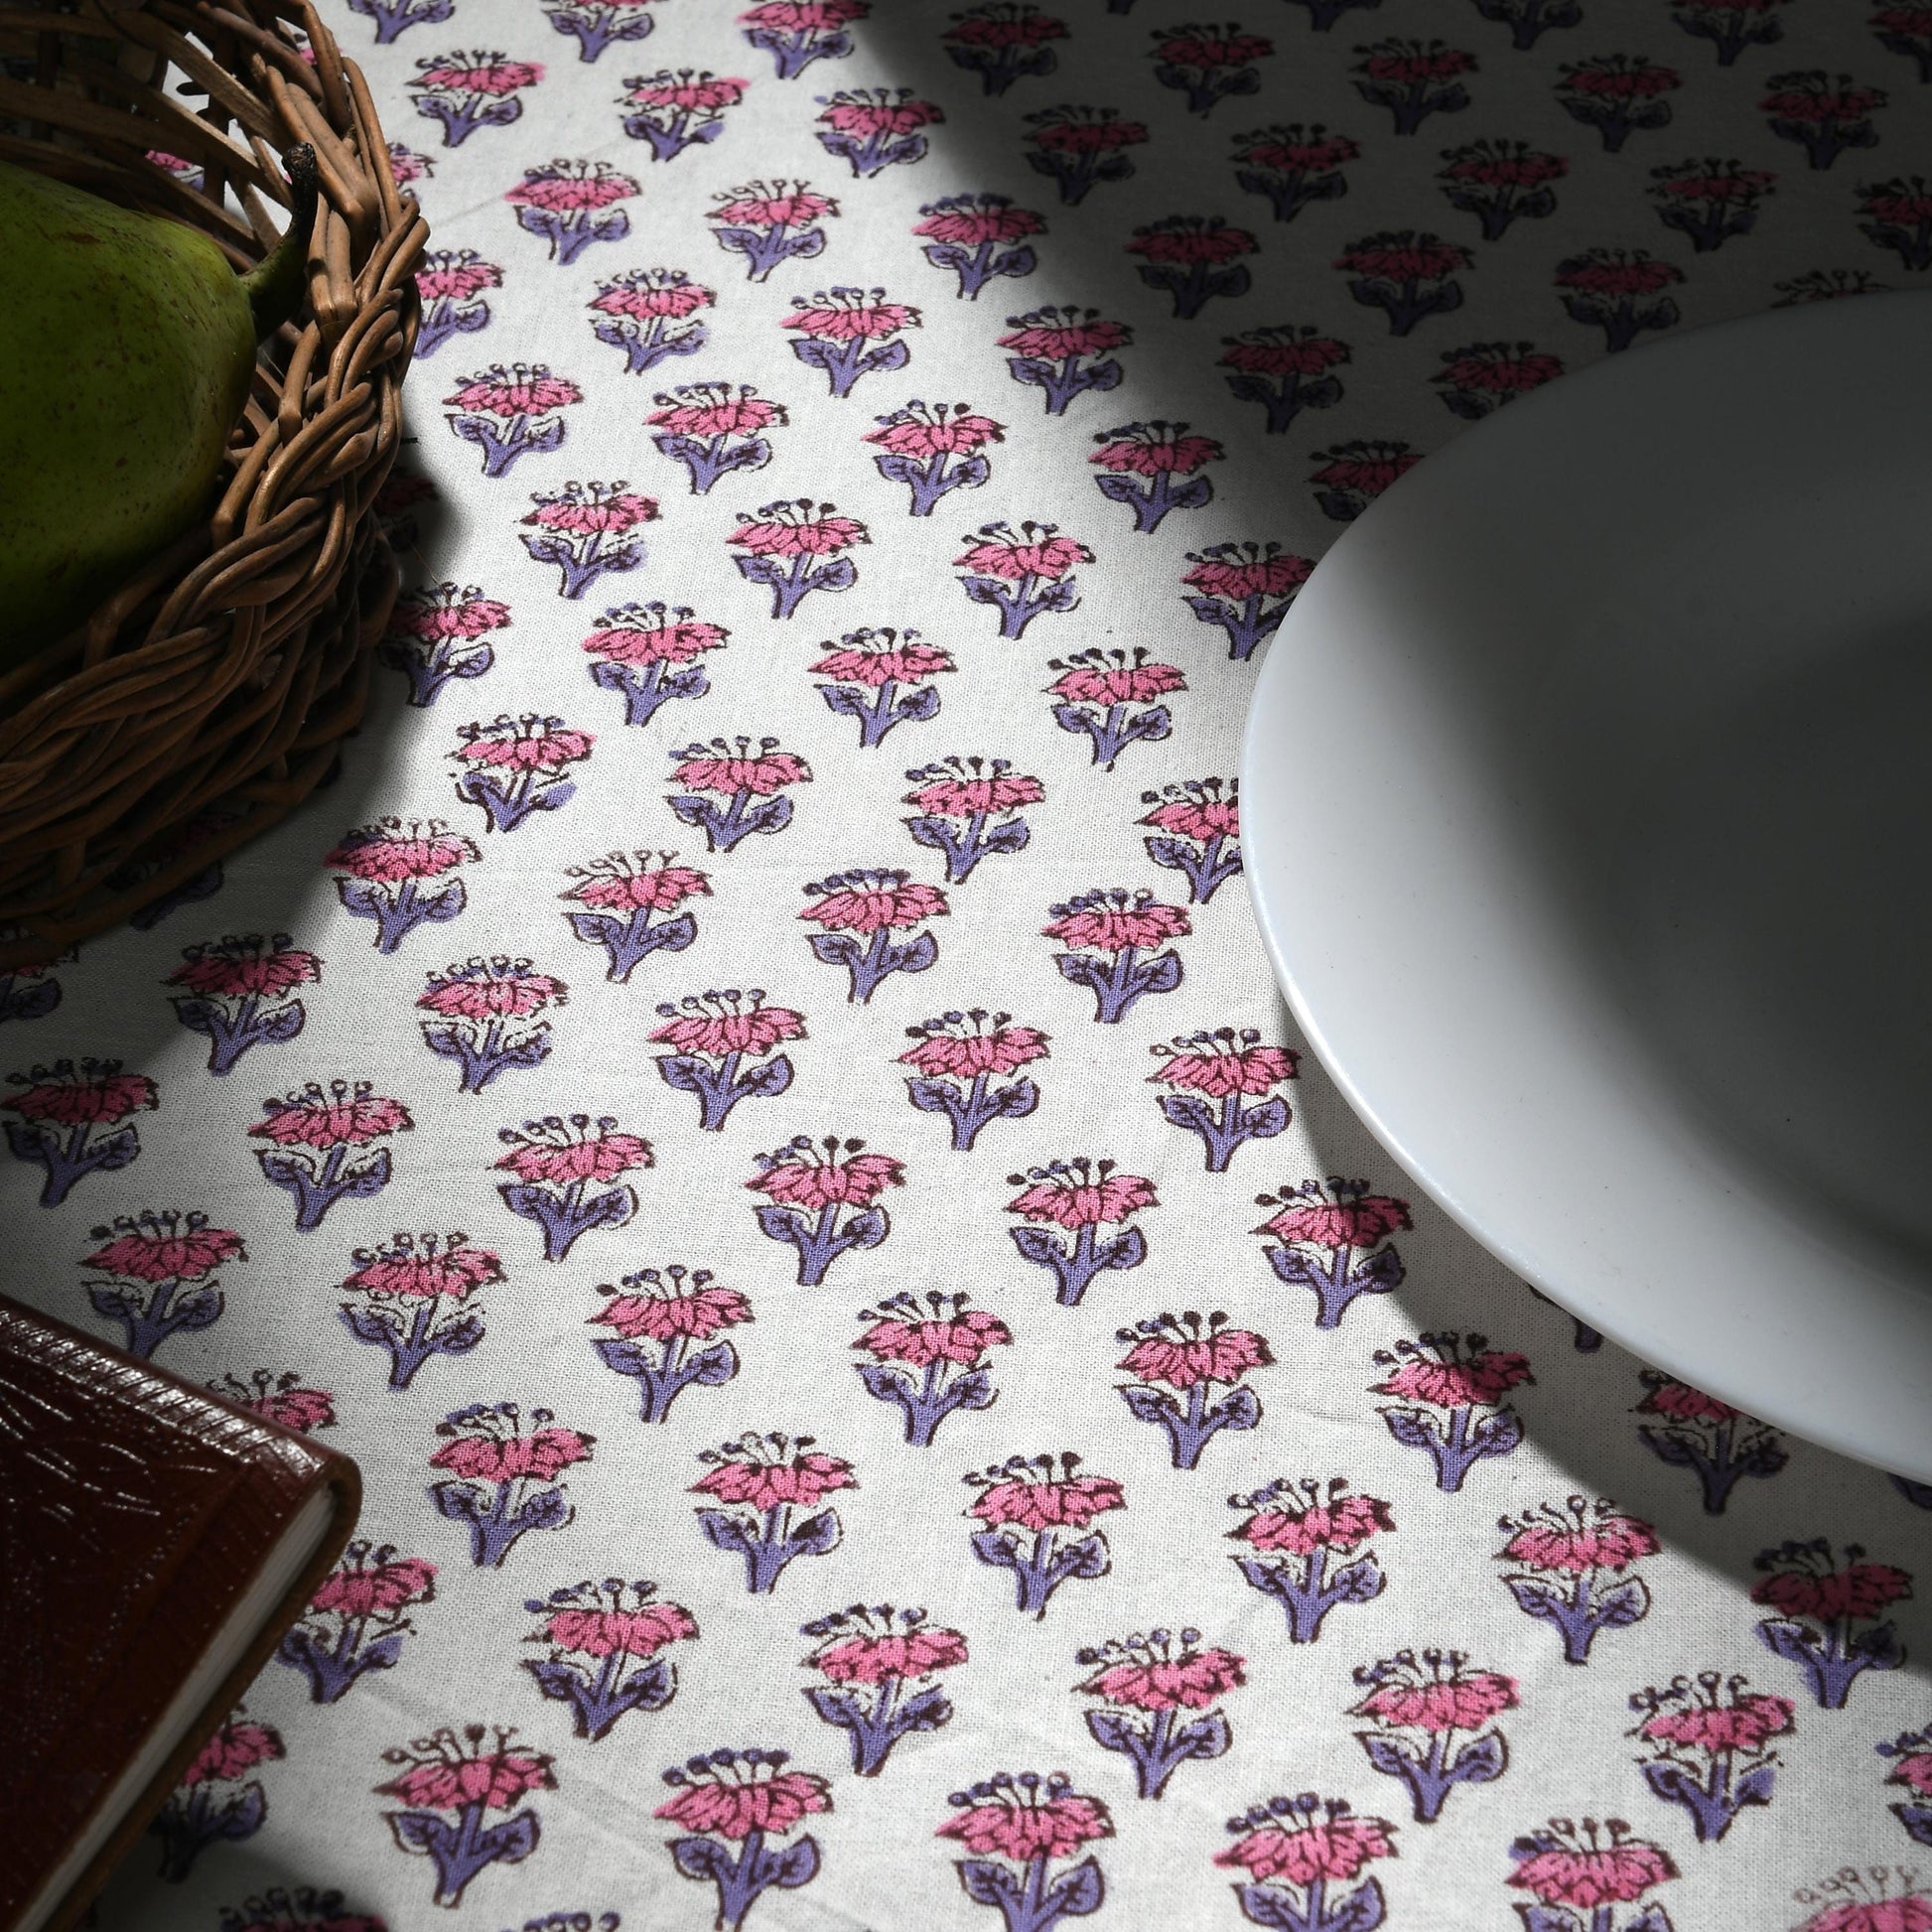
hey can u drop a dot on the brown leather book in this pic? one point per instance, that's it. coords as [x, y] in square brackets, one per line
[155, 1543]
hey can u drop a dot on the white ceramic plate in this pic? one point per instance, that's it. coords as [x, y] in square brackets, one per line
[1587, 804]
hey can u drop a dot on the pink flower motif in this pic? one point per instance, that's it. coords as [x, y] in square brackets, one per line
[563, 1154]
[771, 204]
[1402, 256]
[1281, 351]
[720, 1798]
[303, 1410]
[455, 274]
[571, 188]
[1088, 677]
[671, 1306]
[164, 1248]
[770, 1471]
[709, 409]
[944, 1330]
[874, 111]
[1036, 551]
[498, 1456]
[945, 1047]
[1905, 203]
[1434, 1695]
[613, 1633]
[521, 389]
[1723, 1717]
[1287, 1840]
[498, 988]
[653, 633]
[1154, 449]
[1082, 131]
[1343, 1214]
[1296, 150]
[627, 882]
[406, 165]
[800, 529]
[1224, 1063]
[1502, 164]
[1449, 1371]
[1820, 101]
[1497, 368]
[232, 1752]
[921, 430]
[1209, 47]
[361, 1588]
[1564, 1866]
[1028, 1493]
[1682, 1403]
[451, 1778]
[1025, 1819]
[526, 744]
[718, 1024]
[448, 611]
[1149, 1674]
[1612, 272]
[883, 656]
[1910, 1914]
[1201, 818]
[342, 1116]
[1915, 1771]
[968, 221]
[1051, 334]
[798, 1175]
[424, 1268]
[1003, 24]
[1588, 1537]
[648, 294]
[476, 73]
[689, 92]
[1710, 181]
[1407, 62]
[1617, 76]
[803, 16]
[1806, 1582]
[963, 797]
[1175, 1350]
[1079, 1193]
[1191, 240]
[591, 510]
[252, 966]
[1113, 922]
[1297, 1519]
[391, 851]
[715, 769]
[98, 1093]
[871, 901]
[1366, 466]
[846, 315]
[871, 1659]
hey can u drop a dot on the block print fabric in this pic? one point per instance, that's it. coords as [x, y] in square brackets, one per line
[892, 1392]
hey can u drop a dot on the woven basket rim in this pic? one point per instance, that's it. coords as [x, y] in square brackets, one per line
[213, 685]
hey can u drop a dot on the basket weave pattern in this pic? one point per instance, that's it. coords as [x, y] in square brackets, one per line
[206, 698]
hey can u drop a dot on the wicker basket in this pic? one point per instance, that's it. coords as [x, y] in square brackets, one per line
[206, 698]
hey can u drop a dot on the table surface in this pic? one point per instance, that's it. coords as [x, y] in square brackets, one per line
[1046, 1460]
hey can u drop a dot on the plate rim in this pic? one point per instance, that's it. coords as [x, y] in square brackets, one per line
[1269, 703]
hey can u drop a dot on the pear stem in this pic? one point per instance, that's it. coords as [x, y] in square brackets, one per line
[275, 287]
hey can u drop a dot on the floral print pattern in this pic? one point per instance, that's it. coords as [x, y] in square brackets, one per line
[752, 1101]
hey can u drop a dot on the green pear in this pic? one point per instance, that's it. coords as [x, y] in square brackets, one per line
[127, 344]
